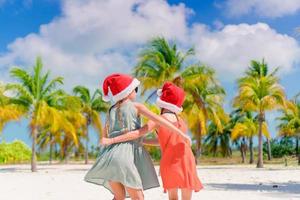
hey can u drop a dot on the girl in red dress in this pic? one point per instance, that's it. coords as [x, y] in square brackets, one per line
[177, 165]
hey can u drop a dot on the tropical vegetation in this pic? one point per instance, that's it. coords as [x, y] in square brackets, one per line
[259, 92]
[161, 61]
[60, 122]
[15, 152]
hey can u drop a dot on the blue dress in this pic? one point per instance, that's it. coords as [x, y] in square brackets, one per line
[127, 162]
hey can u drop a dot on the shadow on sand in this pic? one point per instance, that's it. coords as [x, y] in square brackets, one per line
[24, 169]
[286, 188]
[9, 169]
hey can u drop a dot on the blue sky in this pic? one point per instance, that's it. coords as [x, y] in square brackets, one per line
[84, 40]
[18, 19]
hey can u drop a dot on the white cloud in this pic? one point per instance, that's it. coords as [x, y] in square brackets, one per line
[92, 38]
[231, 49]
[265, 8]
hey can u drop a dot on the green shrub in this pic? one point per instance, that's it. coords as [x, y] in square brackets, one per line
[280, 148]
[15, 152]
[154, 152]
[43, 156]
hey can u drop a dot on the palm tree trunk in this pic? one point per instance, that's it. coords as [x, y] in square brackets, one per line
[260, 138]
[51, 149]
[242, 154]
[198, 143]
[61, 153]
[297, 149]
[198, 147]
[51, 154]
[33, 149]
[269, 149]
[243, 150]
[76, 153]
[251, 150]
[86, 153]
[56, 153]
[150, 96]
[297, 145]
[65, 150]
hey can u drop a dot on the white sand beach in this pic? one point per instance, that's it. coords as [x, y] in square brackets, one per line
[65, 182]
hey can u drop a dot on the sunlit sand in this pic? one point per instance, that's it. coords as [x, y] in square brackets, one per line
[65, 182]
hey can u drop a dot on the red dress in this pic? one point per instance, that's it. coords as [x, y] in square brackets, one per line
[177, 166]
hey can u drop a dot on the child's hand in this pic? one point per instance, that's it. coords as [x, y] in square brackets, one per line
[188, 141]
[106, 141]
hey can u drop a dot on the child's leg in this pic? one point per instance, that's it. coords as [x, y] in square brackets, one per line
[186, 194]
[173, 194]
[135, 194]
[118, 190]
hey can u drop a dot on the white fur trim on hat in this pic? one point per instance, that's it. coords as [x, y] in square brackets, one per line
[169, 106]
[124, 93]
[159, 92]
[106, 98]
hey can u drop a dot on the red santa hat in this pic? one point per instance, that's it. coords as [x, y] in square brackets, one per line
[119, 85]
[170, 97]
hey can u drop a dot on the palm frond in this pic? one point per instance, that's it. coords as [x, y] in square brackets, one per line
[21, 91]
[52, 84]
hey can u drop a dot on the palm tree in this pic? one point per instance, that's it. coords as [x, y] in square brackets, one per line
[32, 91]
[290, 122]
[8, 110]
[259, 91]
[246, 128]
[236, 116]
[63, 119]
[216, 140]
[161, 61]
[204, 101]
[92, 106]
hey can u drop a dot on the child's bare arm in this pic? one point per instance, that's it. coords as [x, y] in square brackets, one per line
[151, 142]
[104, 134]
[132, 135]
[142, 109]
